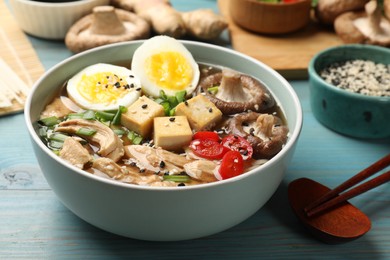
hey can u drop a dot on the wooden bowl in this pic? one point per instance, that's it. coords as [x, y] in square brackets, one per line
[270, 18]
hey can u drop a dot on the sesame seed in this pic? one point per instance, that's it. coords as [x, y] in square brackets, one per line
[210, 110]
[172, 119]
[359, 76]
[144, 106]
[162, 164]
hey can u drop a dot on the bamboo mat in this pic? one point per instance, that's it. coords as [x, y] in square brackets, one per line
[17, 52]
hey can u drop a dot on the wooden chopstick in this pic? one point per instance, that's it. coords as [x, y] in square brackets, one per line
[335, 196]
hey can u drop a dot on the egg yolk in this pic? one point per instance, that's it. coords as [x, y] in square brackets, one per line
[102, 87]
[169, 70]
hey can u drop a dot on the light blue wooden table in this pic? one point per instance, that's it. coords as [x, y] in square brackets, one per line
[35, 225]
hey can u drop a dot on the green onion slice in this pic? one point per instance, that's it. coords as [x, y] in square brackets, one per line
[50, 121]
[58, 137]
[213, 90]
[105, 116]
[89, 115]
[177, 178]
[86, 131]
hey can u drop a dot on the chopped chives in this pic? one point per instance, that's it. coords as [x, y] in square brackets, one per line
[75, 116]
[50, 121]
[89, 115]
[105, 116]
[180, 96]
[55, 144]
[86, 131]
[119, 131]
[42, 132]
[177, 178]
[137, 140]
[117, 117]
[58, 137]
[213, 90]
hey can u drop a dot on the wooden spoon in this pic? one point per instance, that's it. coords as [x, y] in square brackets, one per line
[327, 213]
[336, 225]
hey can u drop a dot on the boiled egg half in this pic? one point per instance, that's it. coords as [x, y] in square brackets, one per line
[164, 63]
[104, 87]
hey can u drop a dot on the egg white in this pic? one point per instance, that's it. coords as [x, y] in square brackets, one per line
[157, 45]
[126, 96]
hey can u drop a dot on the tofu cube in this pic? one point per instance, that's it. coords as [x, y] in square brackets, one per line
[172, 133]
[201, 113]
[139, 116]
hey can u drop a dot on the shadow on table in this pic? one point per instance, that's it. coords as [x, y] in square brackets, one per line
[273, 232]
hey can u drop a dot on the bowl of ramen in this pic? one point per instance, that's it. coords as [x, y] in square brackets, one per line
[133, 134]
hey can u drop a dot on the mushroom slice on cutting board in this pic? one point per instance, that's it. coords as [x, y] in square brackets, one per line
[236, 92]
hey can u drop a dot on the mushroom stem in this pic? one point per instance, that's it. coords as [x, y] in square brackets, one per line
[231, 88]
[106, 21]
[374, 15]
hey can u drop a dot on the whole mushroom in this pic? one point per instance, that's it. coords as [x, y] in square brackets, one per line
[105, 25]
[236, 93]
[265, 132]
[370, 26]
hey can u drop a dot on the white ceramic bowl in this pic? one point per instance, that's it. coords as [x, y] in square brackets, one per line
[158, 213]
[51, 20]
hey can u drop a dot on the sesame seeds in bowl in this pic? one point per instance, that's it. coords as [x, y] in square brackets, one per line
[350, 90]
[359, 76]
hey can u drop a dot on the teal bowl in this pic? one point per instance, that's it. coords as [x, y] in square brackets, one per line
[346, 112]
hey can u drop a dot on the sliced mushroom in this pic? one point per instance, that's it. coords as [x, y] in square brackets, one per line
[73, 152]
[109, 143]
[156, 160]
[264, 131]
[202, 170]
[237, 92]
[56, 108]
[106, 25]
[128, 174]
[370, 27]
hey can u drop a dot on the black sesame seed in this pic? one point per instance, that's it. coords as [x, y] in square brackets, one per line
[162, 164]
[138, 89]
[144, 106]
[117, 84]
[172, 119]
[131, 85]
[186, 103]
[181, 184]
[131, 76]
[210, 110]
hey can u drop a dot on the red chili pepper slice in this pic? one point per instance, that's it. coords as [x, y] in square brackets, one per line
[206, 135]
[208, 149]
[232, 165]
[239, 144]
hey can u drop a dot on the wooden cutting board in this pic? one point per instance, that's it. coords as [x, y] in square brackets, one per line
[288, 54]
[17, 52]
